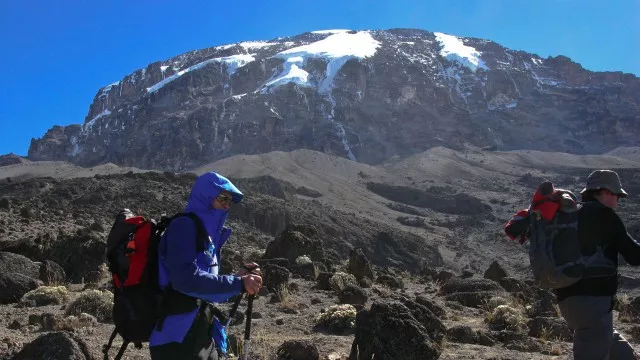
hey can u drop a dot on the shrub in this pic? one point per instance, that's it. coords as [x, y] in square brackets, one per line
[505, 317]
[341, 280]
[338, 318]
[94, 302]
[303, 260]
[46, 295]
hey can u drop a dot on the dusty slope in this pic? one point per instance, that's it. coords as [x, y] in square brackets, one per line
[347, 208]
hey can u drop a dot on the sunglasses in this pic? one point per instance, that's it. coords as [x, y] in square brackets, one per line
[224, 199]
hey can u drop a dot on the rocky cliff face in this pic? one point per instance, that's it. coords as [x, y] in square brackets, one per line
[366, 95]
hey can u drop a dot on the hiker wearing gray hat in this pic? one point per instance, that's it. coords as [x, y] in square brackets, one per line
[587, 305]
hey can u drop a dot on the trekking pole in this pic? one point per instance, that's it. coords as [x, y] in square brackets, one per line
[247, 328]
[233, 311]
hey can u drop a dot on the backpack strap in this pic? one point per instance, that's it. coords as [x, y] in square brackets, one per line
[172, 300]
[201, 232]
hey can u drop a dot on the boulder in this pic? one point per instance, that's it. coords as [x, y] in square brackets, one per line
[296, 241]
[392, 282]
[298, 350]
[15, 263]
[456, 285]
[13, 286]
[353, 295]
[275, 277]
[437, 309]
[377, 330]
[495, 271]
[51, 273]
[55, 346]
[359, 265]
[323, 281]
[465, 335]
[549, 328]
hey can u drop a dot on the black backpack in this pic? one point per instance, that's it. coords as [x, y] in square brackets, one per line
[132, 258]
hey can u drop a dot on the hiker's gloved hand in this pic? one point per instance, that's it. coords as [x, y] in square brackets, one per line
[252, 283]
[251, 268]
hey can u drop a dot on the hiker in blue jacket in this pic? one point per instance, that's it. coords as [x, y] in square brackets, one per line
[188, 273]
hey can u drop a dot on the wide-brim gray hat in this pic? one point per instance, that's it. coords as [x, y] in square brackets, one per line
[605, 179]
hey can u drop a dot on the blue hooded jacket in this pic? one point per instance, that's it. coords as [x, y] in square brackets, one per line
[196, 274]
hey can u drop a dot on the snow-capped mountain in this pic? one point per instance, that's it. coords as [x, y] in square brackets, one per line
[364, 95]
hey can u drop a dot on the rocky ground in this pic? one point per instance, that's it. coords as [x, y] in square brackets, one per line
[434, 275]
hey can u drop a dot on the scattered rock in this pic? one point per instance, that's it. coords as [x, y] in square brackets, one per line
[16, 263]
[298, 350]
[434, 307]
[544, 304]
[513, 285]
[390, 281]
[308, 271]
[467, 274]
[26, 212]
[495, 272]
[549, 328]
[295, 241]
[322, 282]
[51, 273]
[444, 276]
[277, 261]
[55, 346]
[256, 315]
[4, 204]
[14, 325]
[315, 301]
[359, 265]
[353, 295]
[35, 319]
[471, 299]
[275, 277]
[13, 286]
[465, 335]
[377, 337]
[279, 321]
[456, 285]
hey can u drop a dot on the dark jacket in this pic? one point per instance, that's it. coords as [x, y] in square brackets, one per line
[599, 225]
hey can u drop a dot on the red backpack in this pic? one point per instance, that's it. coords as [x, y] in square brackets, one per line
[132, 258]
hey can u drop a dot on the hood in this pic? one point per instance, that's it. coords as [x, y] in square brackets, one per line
[206, 187]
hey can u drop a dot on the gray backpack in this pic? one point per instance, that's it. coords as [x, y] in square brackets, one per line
[554, 253]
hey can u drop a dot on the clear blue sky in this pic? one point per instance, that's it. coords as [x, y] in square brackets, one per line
[56, 54]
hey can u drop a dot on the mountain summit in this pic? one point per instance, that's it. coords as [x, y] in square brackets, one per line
[362, 95]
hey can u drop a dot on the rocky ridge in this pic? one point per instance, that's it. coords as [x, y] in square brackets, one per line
[363, 95]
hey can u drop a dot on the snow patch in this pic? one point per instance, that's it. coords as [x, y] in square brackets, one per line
[87, 127]
[337, 49]
[106, 89]
[75, 147]
[334, 31]
[247, 45]
[232, 62]
[292, 73]
[453, 49]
